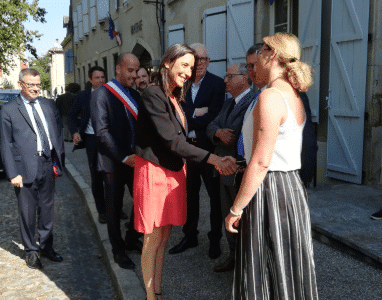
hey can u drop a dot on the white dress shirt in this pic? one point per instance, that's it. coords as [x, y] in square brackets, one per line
[89, 128]
[194, 92]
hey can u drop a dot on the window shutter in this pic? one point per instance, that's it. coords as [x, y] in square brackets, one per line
[93, 16]
[175, 34]
[75, 27]
[85, 17]
[102, 9]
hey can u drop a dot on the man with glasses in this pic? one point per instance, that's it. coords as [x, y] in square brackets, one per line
[224, 132]
[204, 101]
[32, 147]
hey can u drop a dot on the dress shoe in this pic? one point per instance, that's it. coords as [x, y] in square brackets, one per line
[33, 260]
[102, 218]
[185, 243]
[51, 255]
[225, 266]
[133, 244]
[123, 216]
[214, 251]
[124, 261]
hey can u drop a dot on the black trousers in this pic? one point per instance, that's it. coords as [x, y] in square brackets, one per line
[37, 198]
[115, 189]
[96, 176]
[195, 172]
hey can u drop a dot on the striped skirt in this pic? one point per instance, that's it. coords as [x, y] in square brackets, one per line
[274, 251]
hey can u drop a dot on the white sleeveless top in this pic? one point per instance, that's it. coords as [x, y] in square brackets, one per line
[287, 153]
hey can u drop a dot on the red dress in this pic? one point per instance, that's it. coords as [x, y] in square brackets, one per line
[159, 193]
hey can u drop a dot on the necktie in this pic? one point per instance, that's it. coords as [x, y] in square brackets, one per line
[240, 142]
[41, 131]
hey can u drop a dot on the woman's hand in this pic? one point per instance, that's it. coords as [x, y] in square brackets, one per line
[232, 221]
[225, 165]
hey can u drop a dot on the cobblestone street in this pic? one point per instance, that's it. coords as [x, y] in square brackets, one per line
[83, 273]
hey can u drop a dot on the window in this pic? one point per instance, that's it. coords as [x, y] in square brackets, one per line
[115, 58]
[69, 61]
[104, 61]
[89, 67]
[284, 16]
[83, 70]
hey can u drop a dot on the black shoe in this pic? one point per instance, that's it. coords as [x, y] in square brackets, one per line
[226, 266]
[214, 251]
[133, 244]
[51, 255]
[33, 260]
[123, 216]
[124, 261]
[185, 243]
[377, 215]
[102, 218]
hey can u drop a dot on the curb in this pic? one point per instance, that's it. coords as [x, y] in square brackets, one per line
[338, 242]
[126, 282]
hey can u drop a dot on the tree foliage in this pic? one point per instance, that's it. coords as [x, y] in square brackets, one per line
[42, 64]
[15, 39]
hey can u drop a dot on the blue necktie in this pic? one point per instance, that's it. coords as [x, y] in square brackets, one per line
[240, 142]
[41, 131]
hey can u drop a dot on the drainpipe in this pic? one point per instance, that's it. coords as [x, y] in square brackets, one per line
[162, 21]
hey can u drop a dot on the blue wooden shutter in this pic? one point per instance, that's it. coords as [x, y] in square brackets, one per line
[240, 29]
[102, 9]
[85, 17]
[93, 16]
[75, 27]
[309, 33]
[175, 34]
[215, 38]
[346, 104]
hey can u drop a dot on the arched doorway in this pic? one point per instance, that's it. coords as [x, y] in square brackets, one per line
[143, 56]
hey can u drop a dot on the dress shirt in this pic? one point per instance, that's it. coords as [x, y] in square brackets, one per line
[194, 92]
[238, 98]
[89, 128]
[42, 117]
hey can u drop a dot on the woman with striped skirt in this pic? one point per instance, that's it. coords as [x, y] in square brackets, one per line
[274, 252]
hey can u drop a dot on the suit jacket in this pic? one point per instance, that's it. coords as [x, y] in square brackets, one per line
[161, 137]
[211, 94]
[232, 121]
[19, 140]
[80, 107]
[112, 128]
[309, 145]
[64, 103]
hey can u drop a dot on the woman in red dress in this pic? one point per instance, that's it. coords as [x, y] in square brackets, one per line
[160, 168]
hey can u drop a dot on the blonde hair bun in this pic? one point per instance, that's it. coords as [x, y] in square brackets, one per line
[288, 50]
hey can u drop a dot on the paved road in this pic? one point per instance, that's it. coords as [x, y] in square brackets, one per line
[83, 273]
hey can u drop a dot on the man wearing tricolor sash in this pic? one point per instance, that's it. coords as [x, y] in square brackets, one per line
[114, 111]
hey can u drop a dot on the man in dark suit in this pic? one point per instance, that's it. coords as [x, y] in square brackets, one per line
[85, 135]
[204, 101]
[32, 148]
[224, 132]
[113, 114]
[64, 102]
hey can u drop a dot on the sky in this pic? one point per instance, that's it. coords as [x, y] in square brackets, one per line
[52, 29]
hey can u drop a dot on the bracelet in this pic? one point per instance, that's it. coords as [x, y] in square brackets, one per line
[235, 214]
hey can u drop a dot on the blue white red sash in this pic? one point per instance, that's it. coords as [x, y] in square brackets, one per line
[122, 94]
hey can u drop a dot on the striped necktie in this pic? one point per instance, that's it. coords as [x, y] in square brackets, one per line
[41, 131]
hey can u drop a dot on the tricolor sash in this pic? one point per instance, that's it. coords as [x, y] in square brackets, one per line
[122, 94]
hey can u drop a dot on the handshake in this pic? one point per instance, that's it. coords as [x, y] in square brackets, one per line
[225, 165]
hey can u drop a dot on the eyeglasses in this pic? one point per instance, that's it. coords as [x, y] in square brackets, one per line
[31, 85]
[229, 76]
[202, 59]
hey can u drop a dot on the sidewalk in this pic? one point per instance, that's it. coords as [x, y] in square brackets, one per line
[340, 216]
